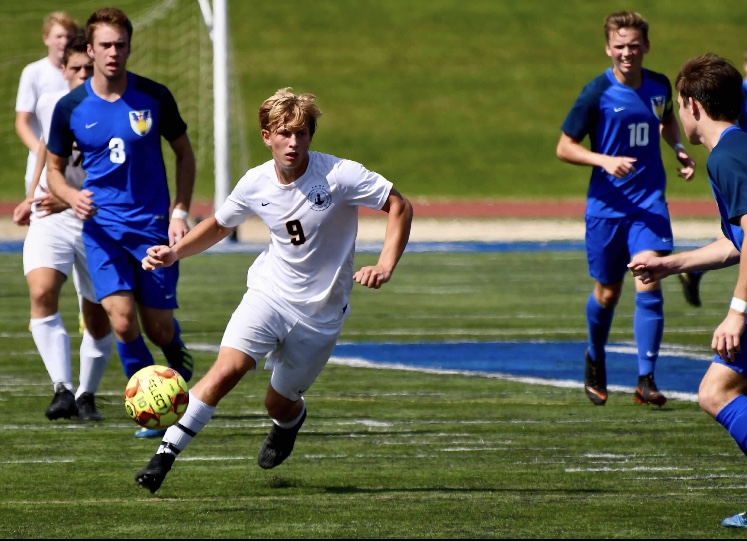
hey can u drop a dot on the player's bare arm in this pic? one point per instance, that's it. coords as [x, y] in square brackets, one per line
[715, 255]
[727, 337]
[399, 222]
[22, 212]
[571, 151]
[47, 203]
[204, 235]
[25, 131]
[81, 201]
[670, 132]
[185, 182]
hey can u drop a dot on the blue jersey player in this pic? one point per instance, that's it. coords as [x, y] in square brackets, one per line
[117, 120]
[691, 280]
[623, 111]
[709, 102]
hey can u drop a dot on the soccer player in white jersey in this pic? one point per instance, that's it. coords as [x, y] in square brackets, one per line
[53, 247]
[298, 288]
[40, 77]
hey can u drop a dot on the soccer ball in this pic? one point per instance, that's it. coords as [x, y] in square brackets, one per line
[156, 397]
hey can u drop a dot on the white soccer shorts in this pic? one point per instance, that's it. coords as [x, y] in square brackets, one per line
[55, 242]
[296, 351]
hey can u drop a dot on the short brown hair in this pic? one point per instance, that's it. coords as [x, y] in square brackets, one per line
[625, 19]
[715, 83]
[109, 16]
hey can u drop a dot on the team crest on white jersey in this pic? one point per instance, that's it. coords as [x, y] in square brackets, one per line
[657, 104]
[319, 198]
[141, 121]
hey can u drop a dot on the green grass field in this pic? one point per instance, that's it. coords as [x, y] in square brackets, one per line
[384, 453]
[449, 100]
[446, 98]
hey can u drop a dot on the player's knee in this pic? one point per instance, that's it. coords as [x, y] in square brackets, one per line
[709, 397]
[126, 329]
[608, 298]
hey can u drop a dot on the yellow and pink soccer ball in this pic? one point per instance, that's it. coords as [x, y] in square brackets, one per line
[156, 397]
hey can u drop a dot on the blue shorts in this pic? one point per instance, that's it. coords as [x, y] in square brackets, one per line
[115, 264]
[611, 242]
[739, 364]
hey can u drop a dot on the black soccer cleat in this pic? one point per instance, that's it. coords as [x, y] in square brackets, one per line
[278, 445]
[647, 393]
[152, 475]
[87, 410]
[179, 358]
[63, 404]
[691, 286]
[595, 380]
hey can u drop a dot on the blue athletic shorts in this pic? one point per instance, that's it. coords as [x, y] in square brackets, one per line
[611, 242]
[115, 264]
[739, 364]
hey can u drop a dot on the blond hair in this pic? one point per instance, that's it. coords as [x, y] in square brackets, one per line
[62, 18]
[284, 108]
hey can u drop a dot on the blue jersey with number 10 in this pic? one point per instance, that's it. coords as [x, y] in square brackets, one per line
[121, 146]
[623, 121]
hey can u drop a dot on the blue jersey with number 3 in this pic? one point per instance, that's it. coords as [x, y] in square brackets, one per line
[623, 121]
[121, 146]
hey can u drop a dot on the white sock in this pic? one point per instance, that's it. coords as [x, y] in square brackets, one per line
[94, 356]
[294, 422]
[53, 343]
[178, 436]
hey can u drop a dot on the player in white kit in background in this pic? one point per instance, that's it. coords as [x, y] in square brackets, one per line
[52, 249]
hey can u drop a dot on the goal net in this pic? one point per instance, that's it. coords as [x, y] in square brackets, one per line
[172, 45]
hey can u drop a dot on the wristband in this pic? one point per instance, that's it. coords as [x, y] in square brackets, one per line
[679, 147]
[180, 214]
[739, 305]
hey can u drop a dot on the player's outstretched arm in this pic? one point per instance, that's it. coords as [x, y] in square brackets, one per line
[204, 235]
[399, 223]
[716, 255]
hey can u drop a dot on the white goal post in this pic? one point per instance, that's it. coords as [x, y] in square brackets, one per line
[216, 21]
[185, 44]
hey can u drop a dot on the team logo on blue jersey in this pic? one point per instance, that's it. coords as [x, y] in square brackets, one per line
[141, 121]
[319, 198]
[657, 104]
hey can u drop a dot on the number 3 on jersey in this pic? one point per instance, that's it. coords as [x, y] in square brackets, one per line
[117, 150]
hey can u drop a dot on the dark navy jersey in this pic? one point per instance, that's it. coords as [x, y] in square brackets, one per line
[743, 111]
[727, 173]
[121, 146]
[623, 121]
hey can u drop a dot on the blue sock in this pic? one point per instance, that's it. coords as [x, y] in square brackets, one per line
[648, 328]
[599, 322]
[733, 417]
[134, 355]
